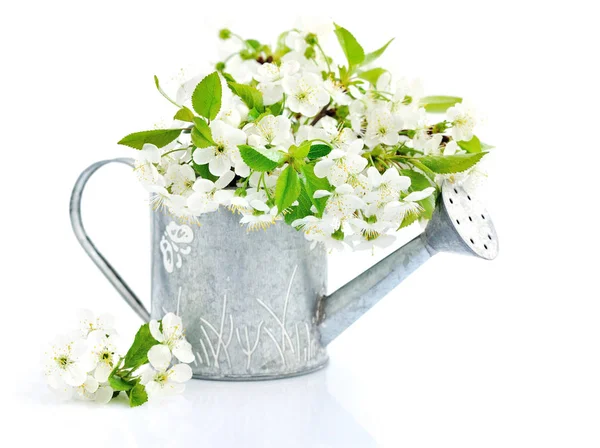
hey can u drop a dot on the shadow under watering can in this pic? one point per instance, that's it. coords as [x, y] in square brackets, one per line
[254, 304]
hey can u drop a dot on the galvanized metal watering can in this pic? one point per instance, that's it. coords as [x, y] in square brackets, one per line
[252, 314]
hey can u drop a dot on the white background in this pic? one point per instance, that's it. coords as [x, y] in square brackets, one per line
[464, 353]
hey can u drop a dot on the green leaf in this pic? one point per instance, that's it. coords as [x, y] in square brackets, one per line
[206, 99]
[439, 104]
[137, 395]
[198, 139]
[303, 207]
[314, 183]
[410, 218]
[260, 159]
[318, 151]
[254, 115]
[227, 77]
[418, 181]
[287, 189]
[486, 147]
[249, 95]
[201, 134]
[370, 57]
[158, 137]
[184, 114]
[138, 352]
[119, 384]
[204, 172]
[352, 49]
[253, 43]
[300, 152]
[451, 164]
[372, 75]
[276, 108]
[472, 146]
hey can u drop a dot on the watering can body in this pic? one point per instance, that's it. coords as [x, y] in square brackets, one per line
[253, 303]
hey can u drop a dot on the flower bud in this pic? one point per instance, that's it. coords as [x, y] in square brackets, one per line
[311, 39]
[309, 53]
[224, 34]
[220, 66]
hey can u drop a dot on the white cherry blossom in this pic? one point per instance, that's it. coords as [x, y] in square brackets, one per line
[68, 361]
[233, 110]
[340, 164]
[342, 203]
[180, 178]
[160, 380]
[172, 336]
[104, 354]
[306, 94]
[225, 154]
[385, 187]
[463, 121]
[145, 168]
[382, 127]
[209, 195]
[337, 92]
[270, 77]
[89, 322]
[260, 215]
[271, 131]
[397, 210]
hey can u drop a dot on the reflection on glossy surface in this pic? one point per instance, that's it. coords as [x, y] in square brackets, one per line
[296, 412]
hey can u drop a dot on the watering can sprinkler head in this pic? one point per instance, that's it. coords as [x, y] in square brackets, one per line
[462, 225]
[459, 224]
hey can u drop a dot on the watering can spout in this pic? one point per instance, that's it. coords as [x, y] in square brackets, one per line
[459, 224]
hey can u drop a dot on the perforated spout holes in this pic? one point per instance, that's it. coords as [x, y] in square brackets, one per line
[471, 220]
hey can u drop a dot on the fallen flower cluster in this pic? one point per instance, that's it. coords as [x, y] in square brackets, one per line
[86, 363]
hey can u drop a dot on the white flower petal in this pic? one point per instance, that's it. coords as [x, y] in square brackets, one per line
[321, 194]
[102, 372]
[224, 180]
[203, 155]
[91, 384]
[74, 376]
[260, 206]
[403, 182]
[183, 351]
[344, 189]
[104, 394]
[203, 185]
[180, 373]
[171, 323]
[146, 373]
[451, 148]
[219, 165]
[241, 169]
[159, 357]
[419, 195]
[223, 197]
[153, 389]
[155, 331]
[322, 167]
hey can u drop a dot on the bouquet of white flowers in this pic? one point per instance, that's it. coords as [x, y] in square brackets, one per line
[283, 133]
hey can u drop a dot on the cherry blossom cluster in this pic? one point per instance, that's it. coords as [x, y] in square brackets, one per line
[339, 150]
[86, 364]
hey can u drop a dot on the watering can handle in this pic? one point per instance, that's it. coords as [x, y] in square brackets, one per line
[76, 222]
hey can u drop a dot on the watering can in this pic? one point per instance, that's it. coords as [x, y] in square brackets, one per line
[253, 304]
